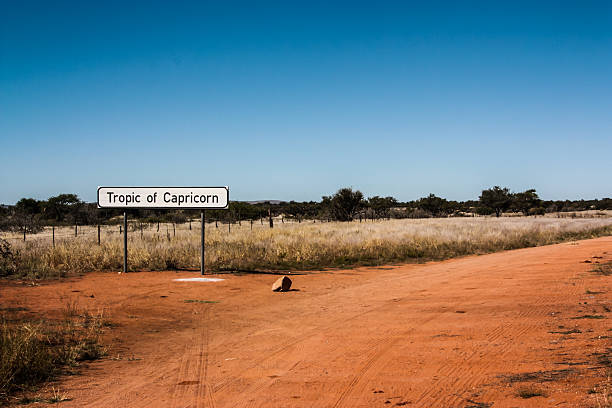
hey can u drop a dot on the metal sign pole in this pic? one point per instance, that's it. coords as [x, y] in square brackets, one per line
[125, 248]
[202, 235]
[183, 198]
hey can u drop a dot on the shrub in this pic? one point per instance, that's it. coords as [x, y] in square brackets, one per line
[7, 259]
[34, 352]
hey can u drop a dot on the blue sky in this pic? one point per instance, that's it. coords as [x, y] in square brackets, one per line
[293, 100]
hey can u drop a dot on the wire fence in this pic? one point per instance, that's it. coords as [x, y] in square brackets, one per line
[137, 228]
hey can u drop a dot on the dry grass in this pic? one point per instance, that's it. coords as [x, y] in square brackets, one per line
[292, 246]
[530, 391]
[603, 269]
[35, 351]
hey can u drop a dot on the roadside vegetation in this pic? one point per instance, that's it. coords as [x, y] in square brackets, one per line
[59, 236]
[33, 351]
[30, 216]
[603, 269]
[289, 246]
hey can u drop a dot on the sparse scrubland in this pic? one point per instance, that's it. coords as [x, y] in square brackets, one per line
[289, 246]
[35, 350]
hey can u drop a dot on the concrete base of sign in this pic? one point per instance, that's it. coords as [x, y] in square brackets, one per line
[198, 280]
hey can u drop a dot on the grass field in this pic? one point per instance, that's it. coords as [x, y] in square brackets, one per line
[290, 246]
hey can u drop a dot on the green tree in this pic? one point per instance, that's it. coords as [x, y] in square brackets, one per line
[60, 206]
[381, 206]
[433, 204]
[27, 215]
[527, 201]
[497, 199]
[295, 210]
[344, 204]
[28, 206]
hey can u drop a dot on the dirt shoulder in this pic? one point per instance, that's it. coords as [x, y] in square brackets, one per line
[524, 328]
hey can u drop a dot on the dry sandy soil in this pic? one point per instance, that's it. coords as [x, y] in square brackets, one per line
[470, 332]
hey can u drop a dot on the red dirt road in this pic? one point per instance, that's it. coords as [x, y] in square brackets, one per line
[449, 334]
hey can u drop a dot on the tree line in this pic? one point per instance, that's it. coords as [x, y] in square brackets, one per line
[30, 215]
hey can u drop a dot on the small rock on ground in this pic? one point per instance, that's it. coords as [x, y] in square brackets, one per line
[282, 284]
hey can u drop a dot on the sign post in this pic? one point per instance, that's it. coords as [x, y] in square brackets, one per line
[202, 236]
[125, 250]
[168, 198]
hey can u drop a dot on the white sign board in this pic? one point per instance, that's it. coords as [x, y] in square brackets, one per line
[164, 197]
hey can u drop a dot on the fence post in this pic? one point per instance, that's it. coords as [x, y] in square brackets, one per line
[24, 232]
[270, 217]
[190, 224]
[141, 230]
[98, 234]
[53, 234]
[251, 224]
[174, 229]
[76, 231]
[157, 226]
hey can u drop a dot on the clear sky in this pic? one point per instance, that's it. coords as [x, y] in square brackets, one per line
[293, 100]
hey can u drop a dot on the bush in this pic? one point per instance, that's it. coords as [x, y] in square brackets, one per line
[7, 259]
[34, 352]
[25, 359]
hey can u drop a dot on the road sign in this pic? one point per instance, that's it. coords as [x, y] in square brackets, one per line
[168, 198]
[185, 198]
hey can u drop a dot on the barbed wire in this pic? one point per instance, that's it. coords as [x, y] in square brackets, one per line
[135, 228]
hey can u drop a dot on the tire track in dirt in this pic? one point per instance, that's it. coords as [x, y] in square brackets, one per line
[287, 355]
[510, 335]
[191, 386]
[380, 346]
[514, 310]
[366, 372]
[284, 354]
[446, 373]
[334, 324]
[179, 392]
[286, 351]
[186, 365]
[477, 375]
[373, 367]
[284, 348]
[384, 346]
[188, 369]
[204, 396]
